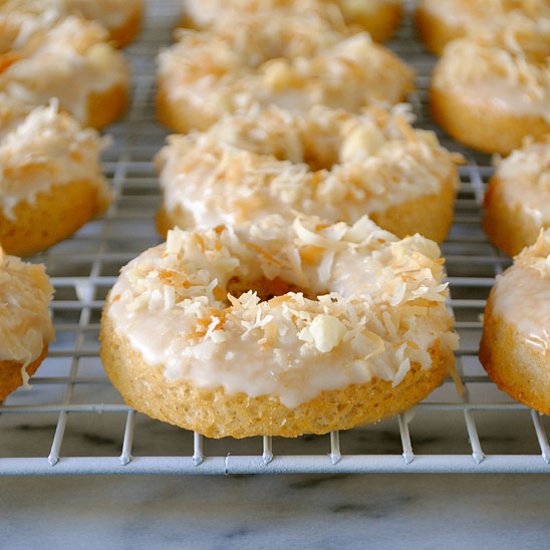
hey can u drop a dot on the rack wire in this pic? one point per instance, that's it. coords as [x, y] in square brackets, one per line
[74, 422]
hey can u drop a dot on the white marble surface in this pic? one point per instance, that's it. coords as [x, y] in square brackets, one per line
[275, 512]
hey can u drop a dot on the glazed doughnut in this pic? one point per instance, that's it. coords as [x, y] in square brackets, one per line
[380, 18]
[517, 202]
[490, 98]
[294, 63]
[324, 162]
[525, 23]
[25, 326]
[69, 60]
[121, 18]
[516, 332]
[50, 176]
[286, 327]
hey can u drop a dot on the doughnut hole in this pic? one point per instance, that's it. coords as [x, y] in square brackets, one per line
[265, 288]
[320, 146]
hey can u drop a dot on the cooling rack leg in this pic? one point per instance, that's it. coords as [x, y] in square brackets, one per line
[198, 456]
[267, 454]
[53, 457]
[477, 452]
[126, 455]
[541, 436]
[408, 455]
[335, 455]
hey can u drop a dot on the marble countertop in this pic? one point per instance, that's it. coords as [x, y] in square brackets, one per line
[373, 511]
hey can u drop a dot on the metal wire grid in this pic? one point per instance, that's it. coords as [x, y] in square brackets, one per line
[484, 431]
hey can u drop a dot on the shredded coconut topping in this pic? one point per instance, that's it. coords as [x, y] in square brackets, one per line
[376, 306]
[537, 256]
[467, 63]
[68, 60]
[25, 326]
[530, 164]
[41, 147]
[291, 62]
[325, 162]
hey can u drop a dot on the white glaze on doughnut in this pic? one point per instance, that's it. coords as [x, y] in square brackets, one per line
[522, 294]
[524, 181]
[495, 76]
[500, 94]
[386, 307]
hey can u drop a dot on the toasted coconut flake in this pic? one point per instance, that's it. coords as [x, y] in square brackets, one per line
[25, 326]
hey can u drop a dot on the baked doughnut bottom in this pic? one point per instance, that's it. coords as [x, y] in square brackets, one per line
[179, 115]
[122, 35]
[434, 32]
[215, 414]
[105, 107]
[52, 217]
[506, 225]
[10, 373]
[429, 215]
[382, 22]
[481, 126]
[514, 365]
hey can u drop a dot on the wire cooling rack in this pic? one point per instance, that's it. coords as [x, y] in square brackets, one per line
[74, 422]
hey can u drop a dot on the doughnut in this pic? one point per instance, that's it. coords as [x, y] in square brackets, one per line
[25, 326]
[50, 176]
[121, 18]
[516, 331]
[294, 63]
[524, 23]
[326, 162]
[69, 60]
[488, 97]
[517, 202]
[380, 18]
[284, 327]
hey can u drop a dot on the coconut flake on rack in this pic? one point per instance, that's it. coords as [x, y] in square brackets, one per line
[381, 309]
